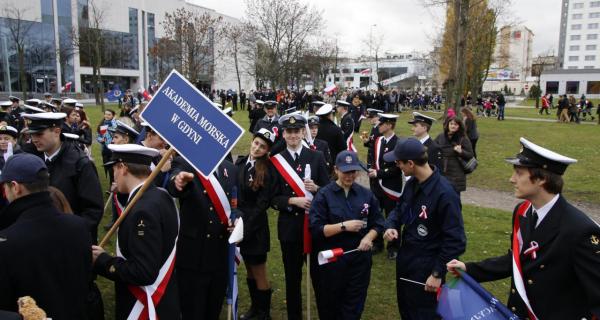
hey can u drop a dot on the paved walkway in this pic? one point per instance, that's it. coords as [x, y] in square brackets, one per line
[544, 120]
[501, 200]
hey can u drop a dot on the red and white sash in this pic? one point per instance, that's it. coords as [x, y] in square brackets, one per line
[217, 196]
[517, 245]
[148, 297]
[394, 195]
[350, 144]
[297, 184]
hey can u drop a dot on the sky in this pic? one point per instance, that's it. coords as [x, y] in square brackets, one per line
[407, 25]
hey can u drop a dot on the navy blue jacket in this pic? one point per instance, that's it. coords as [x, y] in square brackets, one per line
[331, 206]
[428, 244]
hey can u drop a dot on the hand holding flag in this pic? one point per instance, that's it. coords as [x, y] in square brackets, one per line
[327, 256]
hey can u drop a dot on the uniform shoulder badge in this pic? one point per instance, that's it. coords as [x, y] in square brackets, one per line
[594, 240]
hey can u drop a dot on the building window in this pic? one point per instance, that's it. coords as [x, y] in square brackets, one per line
[573, 58]
[577, 16]
[349, 79]
[593, 15]
[592, 36]
[590, 58]
[588, 67]
[573, 67]
[578, 5]
[592, 26]
[593, 87]
[575, 27]
[552, 87]
[575, 37]
[345, 70]
[595, 4]
[590, 47]
[572, 87]
[573, 48]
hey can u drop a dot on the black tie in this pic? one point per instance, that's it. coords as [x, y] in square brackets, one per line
[296, 156]
[248, 166]
[48, 163]
[534, 218]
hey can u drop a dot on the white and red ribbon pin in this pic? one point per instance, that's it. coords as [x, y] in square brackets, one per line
[423, 214]
[531, 251]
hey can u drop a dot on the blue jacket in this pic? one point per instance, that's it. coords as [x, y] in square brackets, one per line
[331, 206]
[428, 243]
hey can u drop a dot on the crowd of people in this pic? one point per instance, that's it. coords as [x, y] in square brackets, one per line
[172, 245]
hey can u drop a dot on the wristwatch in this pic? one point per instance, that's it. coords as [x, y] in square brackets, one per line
[436, 275]
[343, 226]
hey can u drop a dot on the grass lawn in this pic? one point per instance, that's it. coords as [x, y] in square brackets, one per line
[487, 229]
[531, 102]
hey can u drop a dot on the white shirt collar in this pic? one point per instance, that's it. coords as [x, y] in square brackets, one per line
[52, 156]
[132, 192]
[543, 211]
[291, 151]
[424, 139]
[251, 162]
[387, 140]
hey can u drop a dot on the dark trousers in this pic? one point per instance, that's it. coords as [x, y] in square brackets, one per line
[343, 287]
[293, 259]
[414, 303]
[201, 294]
[500, 112]
[386, 204]
[474, 145]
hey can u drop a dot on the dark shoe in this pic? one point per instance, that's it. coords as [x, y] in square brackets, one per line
[392, 255]
[263, 302]
[252, 312]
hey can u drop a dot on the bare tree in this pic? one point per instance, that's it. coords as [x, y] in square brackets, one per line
[193, 35]
[90, 41]
[284, 27]
[234, 35]
[18, 31]
[374, 42]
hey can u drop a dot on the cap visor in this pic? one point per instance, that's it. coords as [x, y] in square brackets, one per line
[517, 162]
[109, 163]
[390, 157]
[412, 121]
[347, 168]
[35, 130]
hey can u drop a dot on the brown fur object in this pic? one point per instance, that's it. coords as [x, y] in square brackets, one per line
[29, 310]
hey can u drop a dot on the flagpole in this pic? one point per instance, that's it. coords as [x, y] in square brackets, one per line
[110, 195]
[308, 286]
[229, 311]
[137, 196]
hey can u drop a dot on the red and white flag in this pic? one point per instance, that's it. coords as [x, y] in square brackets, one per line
[67, 86]
[327, 256]
[147, 96]
[365, 71]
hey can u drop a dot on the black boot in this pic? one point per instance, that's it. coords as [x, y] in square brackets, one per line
[263, 308]
[252, 312]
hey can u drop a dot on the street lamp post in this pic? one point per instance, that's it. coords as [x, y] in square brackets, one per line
[371, 52]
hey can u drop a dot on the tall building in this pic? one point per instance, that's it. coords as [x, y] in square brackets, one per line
[512, 54]
[579, 42]
[131, 29]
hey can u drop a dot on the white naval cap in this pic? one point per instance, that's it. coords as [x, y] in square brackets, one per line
[71, 136]
[11, 131]
[6, 104]
[43, 120]
[386, 117]
[131, 153]
[69, 101]
[419, 117]
[259, 101]
[535, 156]
[266, 135]
[32, 110]
[324, 110]
[342, 103]
[33, 101]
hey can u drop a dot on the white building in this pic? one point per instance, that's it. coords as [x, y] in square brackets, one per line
[579, 42]
[571, 82]
[512, 54]
[391, 71]
[132, 26]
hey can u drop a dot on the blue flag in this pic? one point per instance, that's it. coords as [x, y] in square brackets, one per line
[463, 298]
[234, 260]
[114, 94]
